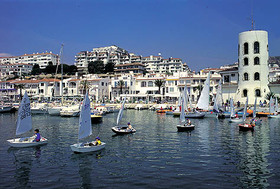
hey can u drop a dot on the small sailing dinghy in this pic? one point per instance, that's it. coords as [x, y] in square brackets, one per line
[233, 117]
[85, 130]
[245, 126]
[257, 121]
[273, 108]
[24, 124]
[183, 126]
[122, 129]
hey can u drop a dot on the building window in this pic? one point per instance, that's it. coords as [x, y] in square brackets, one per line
[246, 48]
[246, 77]
[171, 89]
[245, 92]
[238, 49]
[226, 78]
[257, 76]
[42, 84]
[258, 92]
[256, 61]
[256, 47]
[150, 84]
[143, 84]
[246, 62]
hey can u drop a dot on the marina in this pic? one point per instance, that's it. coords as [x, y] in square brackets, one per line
[215, 154]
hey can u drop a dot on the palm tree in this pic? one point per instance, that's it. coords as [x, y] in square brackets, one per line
[268, 95]
[121, 85]
[84, 86]
[159, 83]
[20, 87]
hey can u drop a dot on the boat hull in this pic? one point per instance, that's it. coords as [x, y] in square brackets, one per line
[182, 128]
[80, 148]
[54, 111]
[26, 142]
[235, 120]
[273, 116]
[5, 109]
[122, 131]
[246, 127]
[70, 114]
[211, 115]
[195, 115]
[169, 113]
[96, 119]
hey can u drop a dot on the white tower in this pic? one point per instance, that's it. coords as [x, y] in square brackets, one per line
[253, 66]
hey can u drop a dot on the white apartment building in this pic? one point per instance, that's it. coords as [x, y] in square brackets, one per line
[42, 59]
[11, 70]
[156, 64]
[111, 53]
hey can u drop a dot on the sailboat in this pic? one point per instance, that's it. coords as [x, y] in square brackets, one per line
[203, 101]
[85, 130]
[191, 113]
[24, 124]
[183, 126]
[122, 129]
[233, 118]
[245, 126]
[218, 103]
[273, 108]
[257, 121]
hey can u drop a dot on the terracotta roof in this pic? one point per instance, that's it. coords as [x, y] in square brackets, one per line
[36, 81]
[74, 80]
[230, 69]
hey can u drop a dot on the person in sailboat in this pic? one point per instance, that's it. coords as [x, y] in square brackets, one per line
[37, 136]
[129, 127]
[97, 141]
[188, 122]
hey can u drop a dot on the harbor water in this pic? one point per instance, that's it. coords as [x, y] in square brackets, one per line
[214, 155]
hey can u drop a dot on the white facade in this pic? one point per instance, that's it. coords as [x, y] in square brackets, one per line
[253, 66]
[11, 70]
[42, 59]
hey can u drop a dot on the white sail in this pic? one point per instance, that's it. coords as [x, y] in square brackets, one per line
[119, 118]
[218, 102]
[245, 110]
[182, 115]
[185, 98]
[190, 102]
[276, 105]
[232, 112]
[203, 101]
[271, 106]
[85, 120]
[24, 122]
[255, 109]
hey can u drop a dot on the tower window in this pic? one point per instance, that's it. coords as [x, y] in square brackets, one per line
[256, 47]
[246, 62]
[238, 49]
[246, 77]
[246, 48]
[245, 92]
[257, 76]
[256, 61]
[258, 92]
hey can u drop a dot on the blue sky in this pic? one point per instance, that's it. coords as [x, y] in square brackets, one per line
[202, 33]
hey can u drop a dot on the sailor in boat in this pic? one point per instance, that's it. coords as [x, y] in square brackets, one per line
[188, 122]
[253, 122]
[37, 136]
[96, 143]
[236, 116]
[129, 127]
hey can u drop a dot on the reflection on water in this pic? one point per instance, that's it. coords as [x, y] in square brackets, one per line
[214, 155]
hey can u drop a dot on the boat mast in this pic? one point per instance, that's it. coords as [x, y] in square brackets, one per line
[61, 66]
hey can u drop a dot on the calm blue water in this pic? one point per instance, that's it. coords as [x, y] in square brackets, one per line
[214, 155]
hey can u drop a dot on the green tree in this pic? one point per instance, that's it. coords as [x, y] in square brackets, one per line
[20, 87]
[109, 67]
[159, 83]
[121, 85]
[84, 86]
[36, 70]
[268, 95]
[96, 67]
[50, 68]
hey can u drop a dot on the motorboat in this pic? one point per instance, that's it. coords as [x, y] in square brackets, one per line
[39, 108]
[72, 111]
[273, 108]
